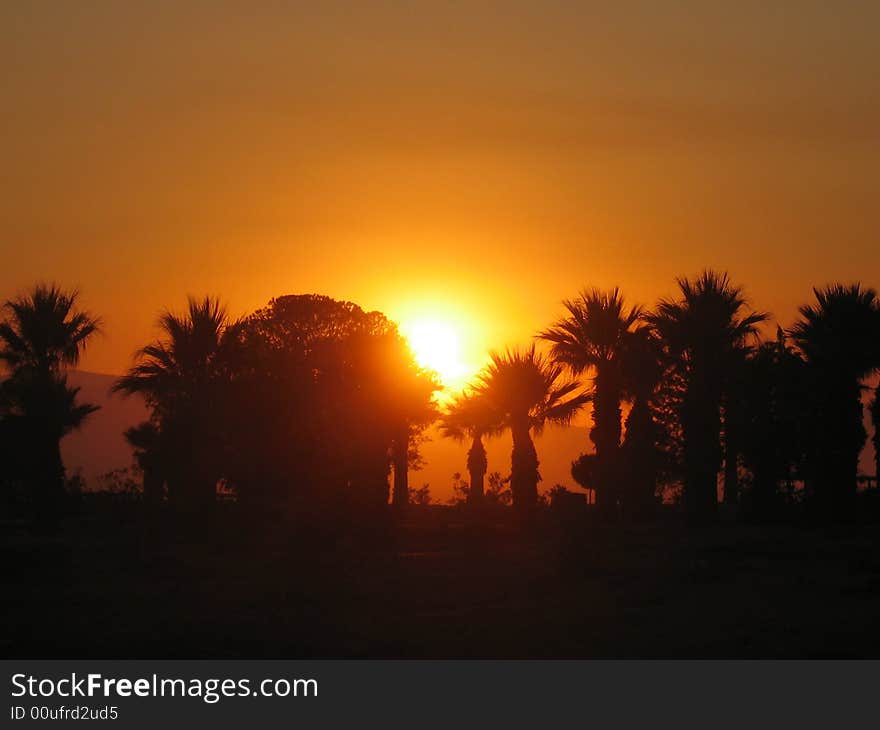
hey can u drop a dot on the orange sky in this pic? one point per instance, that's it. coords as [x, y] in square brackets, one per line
[473, 158]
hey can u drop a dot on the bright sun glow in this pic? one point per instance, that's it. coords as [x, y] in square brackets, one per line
[437, 346]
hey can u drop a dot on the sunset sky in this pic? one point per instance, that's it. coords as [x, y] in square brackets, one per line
[470, 163]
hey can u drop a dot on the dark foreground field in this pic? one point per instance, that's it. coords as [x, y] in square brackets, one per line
[112, 587]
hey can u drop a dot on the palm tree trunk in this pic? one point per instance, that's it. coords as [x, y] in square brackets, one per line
[701, 424]
[731, 475]
[638, 459]
[605, 434]
[524, 471]
[606, 415]
[50, 481]
[477, 469]
[837, 450]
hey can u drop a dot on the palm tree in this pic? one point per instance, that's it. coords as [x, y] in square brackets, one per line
[44, 331]
[838, 338]
[170, 371]
[591, 338]
[704, 330]
[771, 419]
[471, 417]
[42, 336]
[527, 391]
[178, 377]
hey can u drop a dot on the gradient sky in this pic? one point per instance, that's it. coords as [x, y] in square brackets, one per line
[470, 160]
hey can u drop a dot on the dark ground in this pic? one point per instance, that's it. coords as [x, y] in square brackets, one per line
[105, 586]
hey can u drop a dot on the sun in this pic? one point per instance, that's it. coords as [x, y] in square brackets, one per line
[437, 346]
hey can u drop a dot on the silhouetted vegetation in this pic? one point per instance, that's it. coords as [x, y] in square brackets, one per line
[705, 334]
[527, 391]
[600, 335]
[773, 422]
[838, 337]
[307, 402]
[472, 417]
[286, 437]
[43, 334]
[310, 405]
[875, 422]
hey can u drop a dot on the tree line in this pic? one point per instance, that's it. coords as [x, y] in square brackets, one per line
[313, 406]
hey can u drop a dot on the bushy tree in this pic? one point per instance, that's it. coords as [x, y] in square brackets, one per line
[327, 399]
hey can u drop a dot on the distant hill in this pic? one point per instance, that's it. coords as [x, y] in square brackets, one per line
[99, 446]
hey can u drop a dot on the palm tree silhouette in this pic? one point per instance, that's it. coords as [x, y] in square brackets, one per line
[43, 335]
[592, 338]
[703, 331]
[178, 377]
[45, 332]
[471, 417]
[772, 418]
[837, 336]
[527, 391]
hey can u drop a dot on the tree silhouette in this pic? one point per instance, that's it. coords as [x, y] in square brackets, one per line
[642, 367]
[409, 404]
[735, 393]
[470, 416]
[527, 391]
[42, 335]
[315, 403]
[180, 377]
[145, 440]
[327, 399]
[292, 409]
[591, 338]
[772, 418]
[838, 338]
[44, 332]
[703, 331]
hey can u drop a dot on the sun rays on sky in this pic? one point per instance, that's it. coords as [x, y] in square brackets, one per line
[446, 341]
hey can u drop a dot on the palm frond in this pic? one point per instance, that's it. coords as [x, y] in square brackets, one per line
[841, 330]
[524, 387]
[44, 330]
[590, 335]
